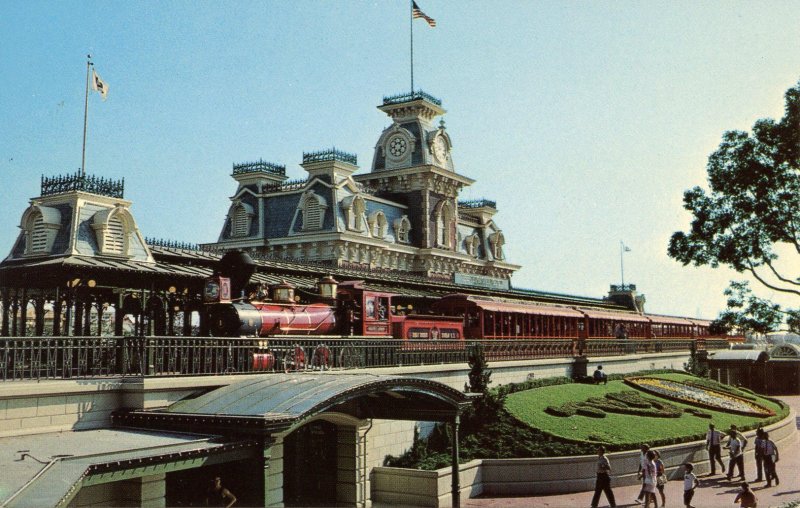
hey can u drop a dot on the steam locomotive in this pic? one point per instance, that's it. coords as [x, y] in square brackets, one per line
[341, 309]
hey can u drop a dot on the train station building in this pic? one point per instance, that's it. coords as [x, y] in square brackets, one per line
[123, 397]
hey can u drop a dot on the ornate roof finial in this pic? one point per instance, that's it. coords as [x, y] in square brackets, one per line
[441, 124]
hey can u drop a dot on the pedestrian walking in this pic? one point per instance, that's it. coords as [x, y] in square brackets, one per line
[649, 480]
[661, 478]
[746, 498]
[640, 472]
[736, 452]
[770, 458]
[714, 446]
[603, 483]
[759, 454]
[690, 483]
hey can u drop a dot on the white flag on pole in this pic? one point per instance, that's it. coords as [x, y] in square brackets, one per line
[98, 85]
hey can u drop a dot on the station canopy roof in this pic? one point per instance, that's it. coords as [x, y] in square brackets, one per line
[276, 402]
[55, 465]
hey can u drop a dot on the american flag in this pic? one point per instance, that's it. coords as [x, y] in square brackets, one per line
[416, 12]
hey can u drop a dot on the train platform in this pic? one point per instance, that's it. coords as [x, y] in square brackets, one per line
[714, 491]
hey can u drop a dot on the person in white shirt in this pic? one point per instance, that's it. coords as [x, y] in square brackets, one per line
[689, 484]
[736, 450]
[770, 458]
[640, 472]
[714, 447]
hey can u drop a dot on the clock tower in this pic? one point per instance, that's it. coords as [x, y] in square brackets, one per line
[413, 164]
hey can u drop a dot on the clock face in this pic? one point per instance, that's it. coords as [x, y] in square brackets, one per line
[397, 146]
[440, 149]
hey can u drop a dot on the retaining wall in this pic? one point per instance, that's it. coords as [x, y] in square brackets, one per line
[543, 476]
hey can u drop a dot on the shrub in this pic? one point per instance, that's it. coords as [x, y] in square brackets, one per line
[591, 412]
[630, 398]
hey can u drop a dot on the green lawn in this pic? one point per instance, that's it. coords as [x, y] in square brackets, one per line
[617, 429]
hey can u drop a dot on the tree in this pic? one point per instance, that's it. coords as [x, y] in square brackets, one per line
[747, 313]
[478, 370]
[750, 215]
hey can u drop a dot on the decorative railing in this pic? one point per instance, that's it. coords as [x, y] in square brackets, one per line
[330, 155]
[408, 97]
[85, 183]
[34, 358]
[171, 244]
[287, 186]
[259, 166]
[477, 203]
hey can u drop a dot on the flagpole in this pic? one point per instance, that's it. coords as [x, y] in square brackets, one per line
[621, 266]
[85, 115]
[411, 18]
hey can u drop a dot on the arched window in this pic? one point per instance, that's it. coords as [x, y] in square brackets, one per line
[445, 225]
[358, 213]
[402, 229]
[496, 241]
[113, 228]
[471, 244]
[40, 224]
[378, 225]
[312, 213]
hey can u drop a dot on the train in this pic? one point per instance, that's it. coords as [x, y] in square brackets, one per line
[351, 309]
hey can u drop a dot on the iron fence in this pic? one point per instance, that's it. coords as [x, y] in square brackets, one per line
[90, 357]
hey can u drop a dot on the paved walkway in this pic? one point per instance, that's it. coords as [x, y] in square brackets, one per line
[714, 491]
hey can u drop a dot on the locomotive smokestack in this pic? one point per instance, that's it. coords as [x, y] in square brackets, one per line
[238, 267]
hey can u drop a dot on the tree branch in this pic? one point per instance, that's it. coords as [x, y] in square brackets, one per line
[777, 275]
[770, 286]
[794, 235]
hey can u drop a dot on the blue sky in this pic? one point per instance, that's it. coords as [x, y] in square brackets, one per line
[585, 121]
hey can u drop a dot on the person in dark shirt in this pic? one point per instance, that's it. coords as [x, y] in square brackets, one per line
[218, 495]
[603, 483]
[600, 376]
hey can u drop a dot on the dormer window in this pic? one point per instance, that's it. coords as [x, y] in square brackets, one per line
[402, 229]
[40, 224]
[115, 236]
[113, 228]
[496, 241]
[471, 243]
[358, 213]
[240, 225]
[378, 225]
[313, 212]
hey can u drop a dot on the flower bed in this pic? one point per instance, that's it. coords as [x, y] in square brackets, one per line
[700, 396]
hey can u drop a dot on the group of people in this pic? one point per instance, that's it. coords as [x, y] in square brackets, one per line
[766, 454]
[653, 474]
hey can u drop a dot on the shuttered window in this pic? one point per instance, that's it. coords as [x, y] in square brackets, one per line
[241, 223]
[312, 214]
[115, 236]
[38, 236]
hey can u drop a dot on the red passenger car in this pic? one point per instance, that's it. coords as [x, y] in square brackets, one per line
[492, 318]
